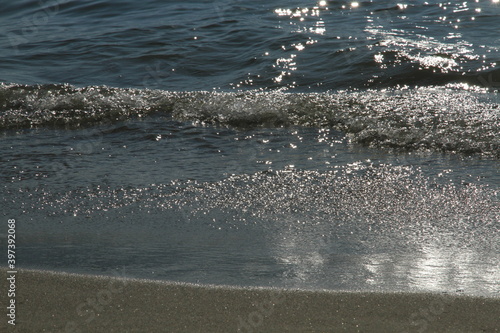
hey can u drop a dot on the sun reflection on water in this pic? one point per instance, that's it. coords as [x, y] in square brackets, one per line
[389, 33]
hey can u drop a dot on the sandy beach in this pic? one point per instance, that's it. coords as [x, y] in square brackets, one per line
[60, 302]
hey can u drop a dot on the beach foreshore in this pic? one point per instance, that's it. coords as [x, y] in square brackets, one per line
[59, 302]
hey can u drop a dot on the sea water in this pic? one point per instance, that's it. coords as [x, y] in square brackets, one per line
[301, 144]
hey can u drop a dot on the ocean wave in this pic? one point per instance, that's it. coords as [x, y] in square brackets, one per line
[451, 119]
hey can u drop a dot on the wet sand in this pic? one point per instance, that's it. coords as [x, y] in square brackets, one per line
[59, 302]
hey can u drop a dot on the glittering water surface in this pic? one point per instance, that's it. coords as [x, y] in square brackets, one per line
[292, 207]
[198, 45]
[302, 144]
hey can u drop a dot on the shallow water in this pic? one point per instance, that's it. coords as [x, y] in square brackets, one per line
[318, 145]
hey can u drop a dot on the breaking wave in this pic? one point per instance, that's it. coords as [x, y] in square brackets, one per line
[451, 119]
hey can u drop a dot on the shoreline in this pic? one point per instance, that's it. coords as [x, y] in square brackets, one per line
[66, 302]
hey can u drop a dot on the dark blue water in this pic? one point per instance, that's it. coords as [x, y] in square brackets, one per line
[232, 44]
[328, 144]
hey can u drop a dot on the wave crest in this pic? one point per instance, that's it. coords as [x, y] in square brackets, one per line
[437, 119]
